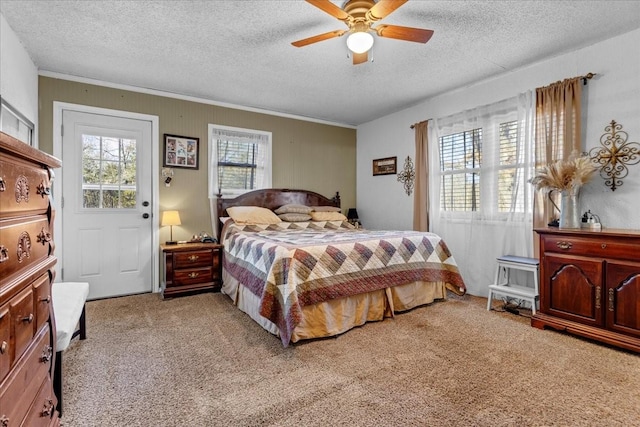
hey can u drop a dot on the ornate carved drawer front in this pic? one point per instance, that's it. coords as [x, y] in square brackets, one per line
[23, 188]
[192, 259]
[23, 243]
[595, 247]
[26, 379]
[193, 275]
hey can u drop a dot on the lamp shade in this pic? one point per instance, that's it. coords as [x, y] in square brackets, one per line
[352, 214]
[359, 42]
[170, 218]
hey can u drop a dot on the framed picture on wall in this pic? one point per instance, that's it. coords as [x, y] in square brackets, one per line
[181, 151]
[386, 166]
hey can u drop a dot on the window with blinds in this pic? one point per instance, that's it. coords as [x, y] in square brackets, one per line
[510, 169]
[240, 160]
[483, 171]
[237, 164]
[460, 161]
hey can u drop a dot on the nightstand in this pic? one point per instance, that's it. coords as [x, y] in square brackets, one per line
[191, 267]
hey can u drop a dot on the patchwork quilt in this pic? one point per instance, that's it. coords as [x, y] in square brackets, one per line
[293, 264]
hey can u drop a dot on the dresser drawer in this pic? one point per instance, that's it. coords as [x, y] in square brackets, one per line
[602, 247]
[26, 379]
[24, 188]
[5, 341]
[41, 299]
[192, 275]
[23, 242]
[201, 258]
[22, 321]
[43, 406]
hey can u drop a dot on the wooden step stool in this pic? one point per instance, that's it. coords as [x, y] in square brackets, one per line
[509, 262]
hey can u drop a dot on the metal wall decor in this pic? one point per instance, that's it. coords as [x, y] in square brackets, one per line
[407, 176]
[615, 155]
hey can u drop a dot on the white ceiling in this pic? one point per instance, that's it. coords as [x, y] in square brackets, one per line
[239, 52]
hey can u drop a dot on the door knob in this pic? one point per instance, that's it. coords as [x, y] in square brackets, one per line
[145, 215]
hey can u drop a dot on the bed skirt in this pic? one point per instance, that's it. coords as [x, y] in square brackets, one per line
[334, 317]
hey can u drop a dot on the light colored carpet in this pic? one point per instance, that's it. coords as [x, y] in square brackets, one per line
[199, 361]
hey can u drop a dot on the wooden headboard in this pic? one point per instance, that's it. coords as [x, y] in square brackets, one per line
[273, 198]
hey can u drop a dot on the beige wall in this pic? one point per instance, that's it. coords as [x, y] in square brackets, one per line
[306, 155]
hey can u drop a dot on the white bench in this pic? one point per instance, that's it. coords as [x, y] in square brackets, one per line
[69, 300]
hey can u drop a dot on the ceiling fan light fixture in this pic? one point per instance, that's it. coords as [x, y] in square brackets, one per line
[359, 41]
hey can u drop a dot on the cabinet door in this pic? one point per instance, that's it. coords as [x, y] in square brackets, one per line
[572, 289]
[623, 297]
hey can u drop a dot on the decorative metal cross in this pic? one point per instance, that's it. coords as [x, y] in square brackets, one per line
[407, 176]
[615, 155]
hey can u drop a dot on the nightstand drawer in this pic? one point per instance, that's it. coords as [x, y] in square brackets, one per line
[192, 275]
[190, 259]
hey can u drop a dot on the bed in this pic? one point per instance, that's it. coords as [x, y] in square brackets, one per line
[317, 278]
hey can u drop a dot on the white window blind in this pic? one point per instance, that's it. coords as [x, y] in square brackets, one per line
[460, 161]
[240, 160]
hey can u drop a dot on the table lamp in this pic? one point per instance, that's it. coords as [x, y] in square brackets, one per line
[170, 218]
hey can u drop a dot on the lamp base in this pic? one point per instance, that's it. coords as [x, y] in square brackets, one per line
[171, 242]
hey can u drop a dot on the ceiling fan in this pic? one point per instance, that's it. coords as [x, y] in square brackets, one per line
[360, 15]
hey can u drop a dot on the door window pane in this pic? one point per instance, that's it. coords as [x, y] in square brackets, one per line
[108, 172]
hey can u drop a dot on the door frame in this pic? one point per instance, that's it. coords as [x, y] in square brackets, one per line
[58, 108]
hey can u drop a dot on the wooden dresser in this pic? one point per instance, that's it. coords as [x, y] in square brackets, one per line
[27, 328]
[590, 284]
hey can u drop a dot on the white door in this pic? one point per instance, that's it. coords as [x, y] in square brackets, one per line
[107, 206]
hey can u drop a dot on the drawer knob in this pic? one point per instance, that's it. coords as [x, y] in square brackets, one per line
[4, 421]
[193, 258]
[48, 408]
[3, 186]
[193, 275]
[4, 254]
[3, 347]
[564, 245]
[28, 319]
[47, 352]
[603, 246]
[43, 190]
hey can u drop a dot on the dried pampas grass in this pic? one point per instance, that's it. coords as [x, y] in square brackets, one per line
[562, 175]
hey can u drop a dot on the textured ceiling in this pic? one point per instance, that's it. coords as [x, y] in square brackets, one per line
[239, 52]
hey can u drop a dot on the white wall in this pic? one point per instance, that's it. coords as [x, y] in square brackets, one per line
[18, 75]
[613, 94]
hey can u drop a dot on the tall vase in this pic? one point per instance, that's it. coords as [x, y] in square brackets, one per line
[569, 210]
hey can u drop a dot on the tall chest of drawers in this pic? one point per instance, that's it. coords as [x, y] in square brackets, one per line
[27, 326]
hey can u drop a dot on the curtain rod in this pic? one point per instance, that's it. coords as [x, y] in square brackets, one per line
[415, 124]
[584, 78]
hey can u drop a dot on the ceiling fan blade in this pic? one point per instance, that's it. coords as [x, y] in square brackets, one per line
[418, 35]
[360, 58]
[318, 38]
[383, 8]
[331, 9]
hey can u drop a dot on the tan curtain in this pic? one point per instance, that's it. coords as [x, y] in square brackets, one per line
[558, 134]
[421, 193]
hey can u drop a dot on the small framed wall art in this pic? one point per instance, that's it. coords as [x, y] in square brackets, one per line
[181, 151]
[386, 166]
